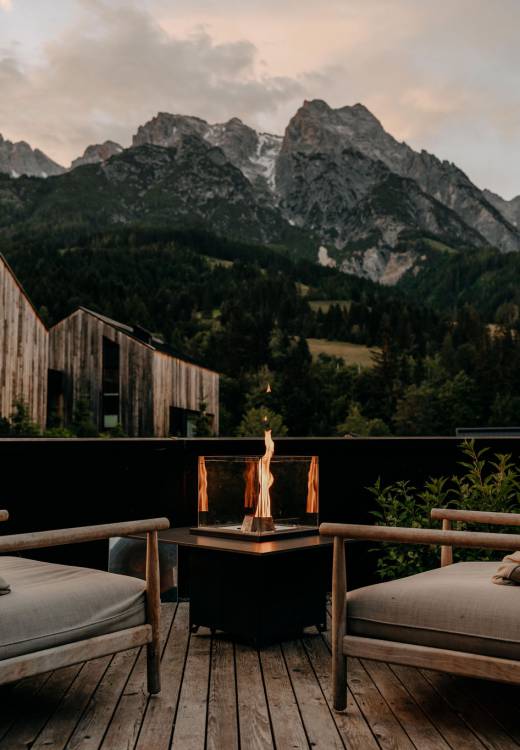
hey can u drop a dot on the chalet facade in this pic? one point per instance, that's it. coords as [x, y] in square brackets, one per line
[23, 350]
[128, 377]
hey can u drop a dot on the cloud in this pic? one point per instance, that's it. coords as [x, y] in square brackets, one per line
[442, 76]
[5, 4]
[117, 67]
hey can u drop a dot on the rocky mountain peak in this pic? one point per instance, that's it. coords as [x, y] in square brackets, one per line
[165, 129]
[337, 176]
[96, 153]
[253, 153]
[318, 129]
[19, 158]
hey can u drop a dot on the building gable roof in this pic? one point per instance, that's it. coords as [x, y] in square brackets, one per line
[144, 337]
[18, 283]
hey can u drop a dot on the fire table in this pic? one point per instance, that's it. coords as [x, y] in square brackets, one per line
[256, 564]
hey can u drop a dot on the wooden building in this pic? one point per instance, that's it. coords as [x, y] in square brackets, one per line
[23, 350]
[128, 377]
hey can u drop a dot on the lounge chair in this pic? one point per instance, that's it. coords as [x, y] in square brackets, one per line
[452, 619]
[57, 615]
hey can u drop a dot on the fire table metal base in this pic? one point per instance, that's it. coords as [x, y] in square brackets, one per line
[260, 592]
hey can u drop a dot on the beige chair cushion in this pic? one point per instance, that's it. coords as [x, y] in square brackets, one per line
[50, 605]
[456, 607]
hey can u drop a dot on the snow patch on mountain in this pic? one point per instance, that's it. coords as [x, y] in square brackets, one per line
[264, 160]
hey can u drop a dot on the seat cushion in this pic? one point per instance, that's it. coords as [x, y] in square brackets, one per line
[50, 605]
[456, 607]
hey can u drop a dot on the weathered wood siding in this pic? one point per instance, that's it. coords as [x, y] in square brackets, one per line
[76, 349]
[23, 350]
[184, 385]
[150, 381]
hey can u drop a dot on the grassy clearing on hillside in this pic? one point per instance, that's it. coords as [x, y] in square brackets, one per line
[325, 304]
[302, 289]
[352, 354]
[440, 247]
[218, 262]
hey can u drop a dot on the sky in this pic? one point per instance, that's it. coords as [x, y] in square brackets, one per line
[440, 75]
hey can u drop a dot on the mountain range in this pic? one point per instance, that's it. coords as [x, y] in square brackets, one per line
[335, 187]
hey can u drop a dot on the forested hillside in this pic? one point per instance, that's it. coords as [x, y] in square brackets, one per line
[486, 279]
[245, 310]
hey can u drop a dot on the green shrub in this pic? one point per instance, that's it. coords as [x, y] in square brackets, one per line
[21, 423]
[487, 485]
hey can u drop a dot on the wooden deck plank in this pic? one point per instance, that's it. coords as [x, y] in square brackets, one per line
[218, 694]
[386, 728]
[501, 701]
[319, 725]
[483, 725]
[222, 726]
[454, 730]
[17, 697]
[24, 731]
[351, 724]
[157, 725]
[253, 711]
[63, 722]
[285, 717]
[190, 723]
[414, 721]
[123, 730]
[97, 716]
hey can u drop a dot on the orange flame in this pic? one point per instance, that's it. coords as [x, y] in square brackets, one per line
[266, 479]
[203, 485]
[312, 487]
[250, 479]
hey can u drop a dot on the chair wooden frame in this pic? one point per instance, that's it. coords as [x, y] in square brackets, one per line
[442, 660]
[18, 667]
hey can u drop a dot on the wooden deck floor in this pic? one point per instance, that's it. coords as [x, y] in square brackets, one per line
[221, 695]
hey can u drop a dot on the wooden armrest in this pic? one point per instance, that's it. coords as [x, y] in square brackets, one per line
[476, 516]
[36, 539]
[4, 515]
[421, 536]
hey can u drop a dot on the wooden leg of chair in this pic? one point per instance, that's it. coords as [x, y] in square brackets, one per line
[153, 605]
[339, 618]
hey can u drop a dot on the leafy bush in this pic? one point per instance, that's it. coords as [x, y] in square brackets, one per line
[357, 424]
[21, 424]
[487, 485]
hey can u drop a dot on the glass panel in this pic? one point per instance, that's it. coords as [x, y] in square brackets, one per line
[191, 425]
[229, 494]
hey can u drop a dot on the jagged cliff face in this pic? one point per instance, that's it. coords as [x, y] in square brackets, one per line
[509, 209]
[317, 128]
[20, 159]
[96, 153]
[253, 153]
[331, 179]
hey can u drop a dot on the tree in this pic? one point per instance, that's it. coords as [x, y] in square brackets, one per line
[257, 420]
[21, 424]
[203, 421]
[82, 422]
[357, 424]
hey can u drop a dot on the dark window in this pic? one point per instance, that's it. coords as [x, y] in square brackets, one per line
[55, 399]
[182, 422]
[110, 385]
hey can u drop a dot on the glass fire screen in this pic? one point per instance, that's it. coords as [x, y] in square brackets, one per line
[244, 495]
